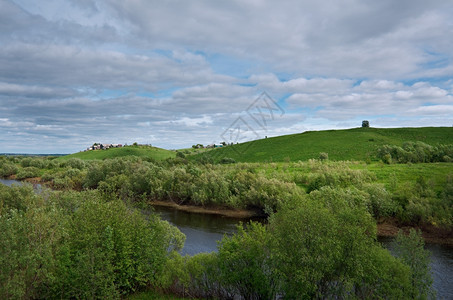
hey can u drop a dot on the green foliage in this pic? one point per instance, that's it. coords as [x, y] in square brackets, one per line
[8, 169]
[334, 175]
[410, 249]
[319, 259]
[75, 163]
[394, 190]
[194, 276]
[227, 160]
[335, 257]
[244, 262]
[28, 172]
[77, 245]
[379, 202]
[415, 152]
[323, 156]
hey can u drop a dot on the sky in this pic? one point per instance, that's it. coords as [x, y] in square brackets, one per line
[178, 73]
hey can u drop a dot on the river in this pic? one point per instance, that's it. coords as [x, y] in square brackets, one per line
[203, 231]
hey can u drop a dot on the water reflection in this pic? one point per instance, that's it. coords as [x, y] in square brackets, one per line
[10, 182]
[441, 266]
[202, 230]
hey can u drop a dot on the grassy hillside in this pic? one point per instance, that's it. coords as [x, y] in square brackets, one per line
[142, 151]
[349, 144]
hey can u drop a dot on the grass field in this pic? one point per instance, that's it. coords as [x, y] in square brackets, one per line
[141, 151]
[350, 144]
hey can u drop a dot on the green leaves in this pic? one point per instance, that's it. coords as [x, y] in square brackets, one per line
[78, 245]
[410, 249]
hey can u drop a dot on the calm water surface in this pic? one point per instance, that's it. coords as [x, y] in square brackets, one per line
[203, 231]
[10, 182]
[441, 266]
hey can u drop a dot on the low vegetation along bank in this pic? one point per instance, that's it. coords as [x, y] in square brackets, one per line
[88, 237]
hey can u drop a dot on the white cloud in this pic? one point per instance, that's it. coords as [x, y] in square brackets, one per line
[80, 71]
[436, 110]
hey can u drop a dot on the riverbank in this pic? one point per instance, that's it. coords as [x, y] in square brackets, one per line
[431, 234]
[388, 228]
[222, 211]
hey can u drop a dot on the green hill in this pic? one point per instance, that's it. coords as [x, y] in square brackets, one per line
[349, 144]
[141, 151]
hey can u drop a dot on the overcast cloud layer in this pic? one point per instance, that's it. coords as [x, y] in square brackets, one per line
[177, 73]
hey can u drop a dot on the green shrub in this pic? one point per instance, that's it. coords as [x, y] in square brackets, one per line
[28, 172]
[410, 249]
[75, 163]
[245, 265]
[227, 160]
[25, 162]
[76, 245]
[8, 169]
[415, 152]
[335, 258]
[323, 156]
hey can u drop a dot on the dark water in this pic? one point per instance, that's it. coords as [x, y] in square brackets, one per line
[441, 266]
[10, 182]
[202, 230]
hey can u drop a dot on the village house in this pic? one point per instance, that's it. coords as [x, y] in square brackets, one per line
[97, 146]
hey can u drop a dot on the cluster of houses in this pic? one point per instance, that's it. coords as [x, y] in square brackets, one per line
[97, 146]
[214, 146]
[222, 144]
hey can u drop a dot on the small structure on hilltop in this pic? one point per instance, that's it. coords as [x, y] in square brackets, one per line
[365, 123]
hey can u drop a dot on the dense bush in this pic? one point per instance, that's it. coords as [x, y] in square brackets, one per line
[296, 256]
[8, 169]
[333, 175]
[28, 172]
[261, 187]
[77, 245]
[415, 152]
[227, 160]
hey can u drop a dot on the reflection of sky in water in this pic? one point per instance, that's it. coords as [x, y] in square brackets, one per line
[10, 182]
[441, 267]
[202, 230]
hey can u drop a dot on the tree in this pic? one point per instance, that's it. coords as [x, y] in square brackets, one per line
[324, 247]
[244, 261]
[410, 249]
[323, 156]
